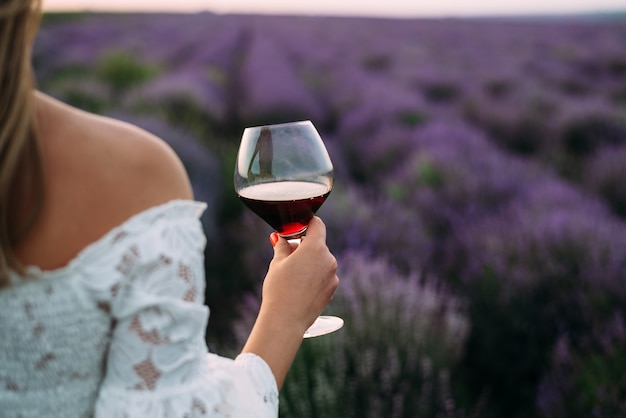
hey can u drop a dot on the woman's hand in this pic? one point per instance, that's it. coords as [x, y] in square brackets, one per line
[300, 282]
[302, 278]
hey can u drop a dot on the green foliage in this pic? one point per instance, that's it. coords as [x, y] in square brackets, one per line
[49, 18]
[84, 100]
[602, 380]
[412, 119]
[507, 343]
[77, 86]
[122, 70]
[70, 72]
[587, 382]
[182, 110]
[429, 174]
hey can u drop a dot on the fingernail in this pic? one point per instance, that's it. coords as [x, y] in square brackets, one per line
[273, 238]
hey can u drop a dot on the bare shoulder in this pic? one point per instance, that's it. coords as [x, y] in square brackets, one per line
[144, 165]
[122, 160]
[98, 173]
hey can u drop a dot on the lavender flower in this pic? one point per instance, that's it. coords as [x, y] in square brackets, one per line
[448, 137]
[587, 381]
[401, 337]
[586, 126]
[179, 91]
[372, 154]
[518, 115]
[269, 89]
[381, 103]
[553, 232]
[550, 263]
[77, 43]
[380, 227]
[604, 175]
[456, 175]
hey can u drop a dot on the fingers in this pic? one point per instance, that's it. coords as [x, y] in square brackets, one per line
[282, 248]
[316, 231]
[274, 237]
[333, 285]
[315, 241]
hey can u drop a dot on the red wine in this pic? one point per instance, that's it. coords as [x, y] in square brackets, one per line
[287, 206]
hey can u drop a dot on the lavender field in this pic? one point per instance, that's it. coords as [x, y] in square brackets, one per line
[479, 212]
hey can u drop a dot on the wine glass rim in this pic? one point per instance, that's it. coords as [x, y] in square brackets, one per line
[278, 125]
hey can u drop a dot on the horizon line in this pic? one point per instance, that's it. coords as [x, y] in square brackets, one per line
[511, 14]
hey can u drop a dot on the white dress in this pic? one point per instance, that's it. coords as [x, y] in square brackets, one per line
[119, 332]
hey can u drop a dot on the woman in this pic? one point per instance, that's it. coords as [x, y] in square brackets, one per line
[101, 270]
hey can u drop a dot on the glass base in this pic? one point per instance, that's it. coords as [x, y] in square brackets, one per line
[295, 236]
[324, 325]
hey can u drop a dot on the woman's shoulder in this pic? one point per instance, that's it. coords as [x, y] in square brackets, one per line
[99, 172]
[119, 157]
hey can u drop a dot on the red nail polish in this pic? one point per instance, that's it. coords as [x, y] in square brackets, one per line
[273, 238]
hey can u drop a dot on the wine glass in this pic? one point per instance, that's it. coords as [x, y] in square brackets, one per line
[283, 174]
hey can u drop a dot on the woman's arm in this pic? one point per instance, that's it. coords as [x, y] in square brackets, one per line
[300, 283]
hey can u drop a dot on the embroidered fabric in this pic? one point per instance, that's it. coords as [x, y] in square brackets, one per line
[119, 332]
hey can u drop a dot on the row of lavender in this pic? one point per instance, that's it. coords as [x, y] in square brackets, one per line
[479, 210]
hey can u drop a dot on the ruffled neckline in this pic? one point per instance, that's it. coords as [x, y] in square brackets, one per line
[136, 223]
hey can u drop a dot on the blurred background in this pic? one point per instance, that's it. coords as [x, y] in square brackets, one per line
[479, 211]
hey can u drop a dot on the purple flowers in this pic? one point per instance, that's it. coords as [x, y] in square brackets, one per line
[605, 175]
[402, 334]
[478, 211]
[269, 86]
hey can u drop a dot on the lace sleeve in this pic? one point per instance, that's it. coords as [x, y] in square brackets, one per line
[158, 364]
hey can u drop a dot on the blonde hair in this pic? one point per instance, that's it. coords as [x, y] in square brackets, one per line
[21, 177]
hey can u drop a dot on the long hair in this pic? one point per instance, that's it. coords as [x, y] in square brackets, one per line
[21, 172]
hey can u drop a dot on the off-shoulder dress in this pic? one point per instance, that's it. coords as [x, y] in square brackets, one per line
[120, 332]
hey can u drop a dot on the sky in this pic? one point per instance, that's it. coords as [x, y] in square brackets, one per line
[383, 8]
